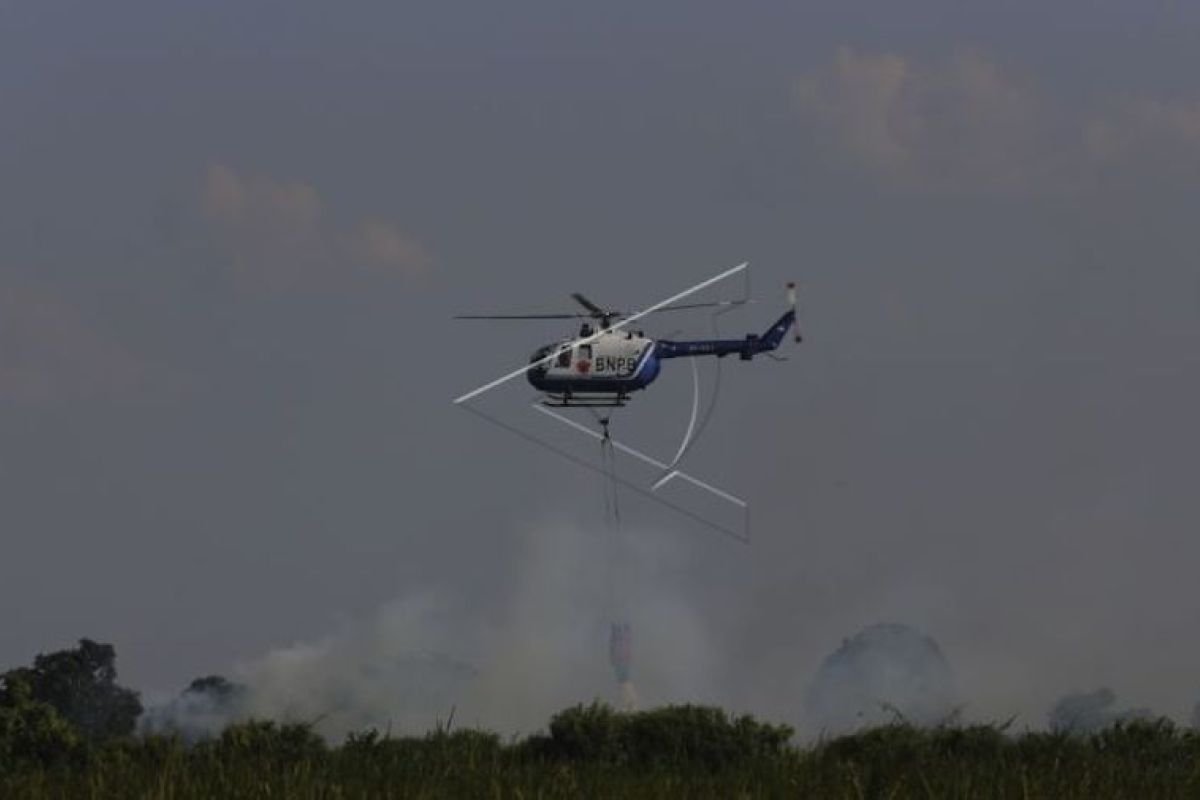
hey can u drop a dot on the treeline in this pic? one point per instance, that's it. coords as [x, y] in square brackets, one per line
[67, 730]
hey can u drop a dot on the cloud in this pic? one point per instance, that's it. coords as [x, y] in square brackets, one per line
[276, 235]
[50, 351]
[926, 127]
[859, 101]
[968, 125]
[377, 244]
[1155, 135]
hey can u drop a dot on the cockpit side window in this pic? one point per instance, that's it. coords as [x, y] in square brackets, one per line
[585, 352]
[564, 358]
[540, 354]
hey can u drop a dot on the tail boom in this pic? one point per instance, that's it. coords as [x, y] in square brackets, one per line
[745, 349]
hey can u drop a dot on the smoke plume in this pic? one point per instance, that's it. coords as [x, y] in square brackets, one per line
[423, 658]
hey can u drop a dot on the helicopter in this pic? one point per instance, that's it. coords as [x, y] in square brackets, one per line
[607, 361]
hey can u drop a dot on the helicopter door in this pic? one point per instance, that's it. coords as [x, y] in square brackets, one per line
[583, 359]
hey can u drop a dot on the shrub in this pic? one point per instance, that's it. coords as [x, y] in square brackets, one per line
[266, 741]
[676, 735]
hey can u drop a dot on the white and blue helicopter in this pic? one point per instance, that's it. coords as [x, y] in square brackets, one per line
[608, 359]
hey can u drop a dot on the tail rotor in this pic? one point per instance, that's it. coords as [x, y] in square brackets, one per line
[791, 297]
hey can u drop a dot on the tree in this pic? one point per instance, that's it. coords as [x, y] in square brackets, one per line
[218, 687]
[30, 729]
[81, 685]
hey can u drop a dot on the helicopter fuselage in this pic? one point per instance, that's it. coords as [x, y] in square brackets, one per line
[611, 362]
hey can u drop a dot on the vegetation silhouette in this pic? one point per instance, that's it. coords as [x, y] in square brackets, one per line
[59, 739]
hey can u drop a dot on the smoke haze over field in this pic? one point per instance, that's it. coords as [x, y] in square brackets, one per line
[422, 659]
[232, 236]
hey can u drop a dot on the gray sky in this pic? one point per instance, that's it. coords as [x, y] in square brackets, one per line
[232, 236]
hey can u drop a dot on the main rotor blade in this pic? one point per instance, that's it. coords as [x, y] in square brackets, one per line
[589, 339]
[716, 304]
[588, 304]
[522, 316]
[597, 311]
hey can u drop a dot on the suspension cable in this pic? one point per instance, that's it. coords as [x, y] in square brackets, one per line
[608, 461]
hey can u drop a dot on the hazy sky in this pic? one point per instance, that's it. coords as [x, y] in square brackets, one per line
[232, 236]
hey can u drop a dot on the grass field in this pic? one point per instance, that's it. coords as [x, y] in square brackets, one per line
[592, 751]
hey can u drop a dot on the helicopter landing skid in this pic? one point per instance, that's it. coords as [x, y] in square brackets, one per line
[593, 401]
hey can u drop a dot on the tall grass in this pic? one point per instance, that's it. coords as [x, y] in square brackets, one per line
[592, 751]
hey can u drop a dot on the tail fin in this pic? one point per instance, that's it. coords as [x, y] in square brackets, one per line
[774, 335]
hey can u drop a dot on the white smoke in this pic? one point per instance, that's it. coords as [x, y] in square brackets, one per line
[192, 715]
[884, 673]
[399, 671]
[424, 657]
